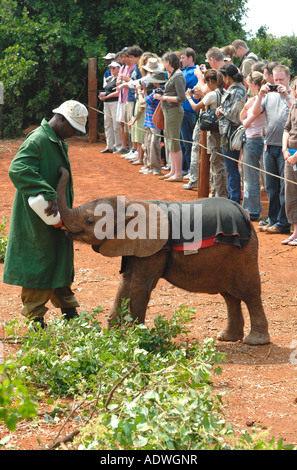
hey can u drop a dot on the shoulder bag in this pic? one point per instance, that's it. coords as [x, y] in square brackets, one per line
[209, 120]
[158, 117]
[236, 139]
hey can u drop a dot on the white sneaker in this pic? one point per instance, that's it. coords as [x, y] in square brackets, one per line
[132, 158]
[191, 185]
[146, 171]
[131, 154]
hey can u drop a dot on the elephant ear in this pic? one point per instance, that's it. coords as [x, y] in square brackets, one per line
[142, 232]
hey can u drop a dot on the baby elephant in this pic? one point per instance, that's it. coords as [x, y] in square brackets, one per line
[202, 246]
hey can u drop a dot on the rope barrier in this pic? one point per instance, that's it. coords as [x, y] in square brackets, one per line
[203, 146]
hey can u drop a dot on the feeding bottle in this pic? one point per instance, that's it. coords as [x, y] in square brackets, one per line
[39, 204]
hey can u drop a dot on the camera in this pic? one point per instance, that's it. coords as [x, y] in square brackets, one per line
[159, 91]
[273, 87]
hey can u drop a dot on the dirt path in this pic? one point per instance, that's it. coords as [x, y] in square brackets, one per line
[261, 381]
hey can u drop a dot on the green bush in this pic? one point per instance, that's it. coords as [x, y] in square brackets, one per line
[15, 398]
[3, 239]
[142, 389]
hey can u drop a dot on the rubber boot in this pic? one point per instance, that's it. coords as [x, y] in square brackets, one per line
[38, 323]
[69, 313]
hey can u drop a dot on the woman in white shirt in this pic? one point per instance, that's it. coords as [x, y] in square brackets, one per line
[214, 90]
[252, 149]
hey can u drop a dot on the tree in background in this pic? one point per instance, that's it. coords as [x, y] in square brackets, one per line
[44, 50]
[45, 45]
[271, 48]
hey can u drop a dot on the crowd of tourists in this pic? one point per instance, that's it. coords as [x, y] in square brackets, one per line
[250, 111]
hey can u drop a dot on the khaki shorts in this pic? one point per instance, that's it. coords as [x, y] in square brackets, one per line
[128, 114]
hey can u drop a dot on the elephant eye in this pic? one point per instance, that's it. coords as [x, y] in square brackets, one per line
[90, 220]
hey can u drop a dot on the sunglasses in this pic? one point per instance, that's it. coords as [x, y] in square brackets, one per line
[250, 77]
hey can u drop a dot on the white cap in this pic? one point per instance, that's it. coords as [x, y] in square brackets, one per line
[110, 55]
[114, 64]
[75, 113]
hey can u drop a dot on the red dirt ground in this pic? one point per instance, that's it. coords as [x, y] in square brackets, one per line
[261, 382]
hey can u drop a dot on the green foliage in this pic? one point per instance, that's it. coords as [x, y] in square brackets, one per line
[15, 398]
[69, 358]
[3, 239]
[271, 48]
[147, 390]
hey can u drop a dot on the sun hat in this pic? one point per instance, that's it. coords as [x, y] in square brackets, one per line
[158, 77]
[110, 55]
[75, 113]
[114, 64]
[152, 65]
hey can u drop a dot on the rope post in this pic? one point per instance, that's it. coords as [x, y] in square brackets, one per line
[92, 99]
[204, 166]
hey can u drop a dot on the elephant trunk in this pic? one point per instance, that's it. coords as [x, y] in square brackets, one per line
[68, 215]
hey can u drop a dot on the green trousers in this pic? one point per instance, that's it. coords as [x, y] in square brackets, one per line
[34, 300]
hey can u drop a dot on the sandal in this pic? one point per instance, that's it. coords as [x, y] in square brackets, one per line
[287, 241]
[293, 242]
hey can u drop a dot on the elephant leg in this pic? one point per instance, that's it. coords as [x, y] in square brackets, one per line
[138, 281]
[145, 276]
[235, 323]
[123, 292]
[259, 324]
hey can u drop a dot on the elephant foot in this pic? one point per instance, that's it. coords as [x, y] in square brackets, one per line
[257, 338]
[113, 321]
[230, 335]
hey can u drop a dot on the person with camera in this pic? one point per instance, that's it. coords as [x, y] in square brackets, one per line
[252, 149]
[174, 95]
[187, 59]
[275, 100]
[228, 113]
[211, 100]
[109, 97]
[152, 163]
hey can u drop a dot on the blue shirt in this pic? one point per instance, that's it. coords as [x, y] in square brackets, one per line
[191, 81]
[107, 73]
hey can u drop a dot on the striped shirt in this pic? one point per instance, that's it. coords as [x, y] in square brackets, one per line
[151, 107]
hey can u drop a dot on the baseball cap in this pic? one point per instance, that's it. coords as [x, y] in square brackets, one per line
[114, 64]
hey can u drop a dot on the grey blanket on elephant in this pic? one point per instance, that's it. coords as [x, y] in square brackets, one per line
[206, 222]
[221, 221]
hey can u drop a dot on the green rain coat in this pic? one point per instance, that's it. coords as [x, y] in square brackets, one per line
[38, 255]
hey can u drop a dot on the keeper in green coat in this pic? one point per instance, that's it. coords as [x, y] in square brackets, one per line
[39, 257]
